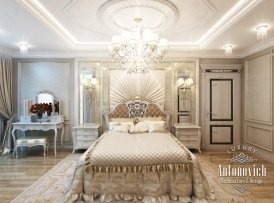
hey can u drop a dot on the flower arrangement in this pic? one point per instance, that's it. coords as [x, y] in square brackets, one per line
[40, 108]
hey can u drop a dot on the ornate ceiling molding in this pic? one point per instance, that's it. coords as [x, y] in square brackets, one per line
[231, 17]
[157, 15]
[257, 48]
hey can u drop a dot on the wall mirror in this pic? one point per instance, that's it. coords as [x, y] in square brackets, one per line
[87, 92]
[187, 77]
[47, 97]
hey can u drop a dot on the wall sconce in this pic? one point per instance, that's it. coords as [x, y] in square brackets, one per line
[23, 48]
[228, 49]
[262, 32]
[89, 82]
[185, 83]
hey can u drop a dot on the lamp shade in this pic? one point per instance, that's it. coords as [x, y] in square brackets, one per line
[180, 81]
[189, 81]
[93, 81]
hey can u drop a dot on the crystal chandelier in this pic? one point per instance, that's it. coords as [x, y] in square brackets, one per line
[137, 50]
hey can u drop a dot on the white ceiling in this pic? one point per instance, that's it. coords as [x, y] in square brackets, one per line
[83, 28]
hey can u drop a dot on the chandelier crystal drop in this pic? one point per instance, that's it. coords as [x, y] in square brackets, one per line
[137, 50]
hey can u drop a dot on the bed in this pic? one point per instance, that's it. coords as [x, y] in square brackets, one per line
[137, 159]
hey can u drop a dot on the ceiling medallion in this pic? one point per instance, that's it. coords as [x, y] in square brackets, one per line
[157, 16]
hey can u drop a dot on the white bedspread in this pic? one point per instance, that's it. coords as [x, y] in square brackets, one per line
[149, 167]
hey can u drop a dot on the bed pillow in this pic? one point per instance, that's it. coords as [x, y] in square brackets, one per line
[124, 128]
[112, 124]
[140, 127]
[129, 124]
[156, 126]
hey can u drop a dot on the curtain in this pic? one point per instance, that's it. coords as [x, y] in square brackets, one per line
[6, 102]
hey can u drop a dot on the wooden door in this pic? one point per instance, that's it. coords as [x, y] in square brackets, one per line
[221, 116]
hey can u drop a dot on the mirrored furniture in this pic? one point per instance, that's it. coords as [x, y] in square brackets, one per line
[84, 135]
[189, 134]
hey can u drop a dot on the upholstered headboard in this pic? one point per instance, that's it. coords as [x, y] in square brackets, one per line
[137, 108]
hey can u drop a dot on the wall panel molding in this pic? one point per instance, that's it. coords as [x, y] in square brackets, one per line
[259, 136]
[258, 89]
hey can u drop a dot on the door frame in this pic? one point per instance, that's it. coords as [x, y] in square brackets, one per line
[219, 72]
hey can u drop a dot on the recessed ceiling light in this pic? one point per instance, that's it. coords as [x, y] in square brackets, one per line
[262, 32]
[228, 49]
[23, 47]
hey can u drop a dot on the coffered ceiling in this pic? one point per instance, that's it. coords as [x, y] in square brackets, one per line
[84, 28]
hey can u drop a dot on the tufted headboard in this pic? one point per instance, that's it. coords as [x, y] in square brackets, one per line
[137, 108]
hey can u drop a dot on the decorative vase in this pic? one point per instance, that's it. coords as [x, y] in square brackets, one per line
[39, 115]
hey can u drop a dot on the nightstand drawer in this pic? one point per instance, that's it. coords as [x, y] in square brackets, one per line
[188, 137]
[85, 131]
[86, 137]
[188, 134]
[187, 131]
[84, 144]
[190, 143]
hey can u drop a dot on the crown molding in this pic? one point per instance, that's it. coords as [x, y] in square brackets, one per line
[98, 55]
[103, 55]
[232, 16]
[7, 52]
[197, 54]
[257, 48]
[221, 66]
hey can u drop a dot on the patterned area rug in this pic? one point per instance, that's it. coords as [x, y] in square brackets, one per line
[50, 187]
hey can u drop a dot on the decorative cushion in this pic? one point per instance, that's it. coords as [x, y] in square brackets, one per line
[112, 124]
[124, 128]
[140, 127]
[156, 126]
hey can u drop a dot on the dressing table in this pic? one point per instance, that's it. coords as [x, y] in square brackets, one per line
[28, 122]
[55, 123]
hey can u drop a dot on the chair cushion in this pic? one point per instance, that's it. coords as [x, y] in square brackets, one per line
[32, 140]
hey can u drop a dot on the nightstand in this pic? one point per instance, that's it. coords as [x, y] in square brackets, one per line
[85, 135]
[188, 134]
